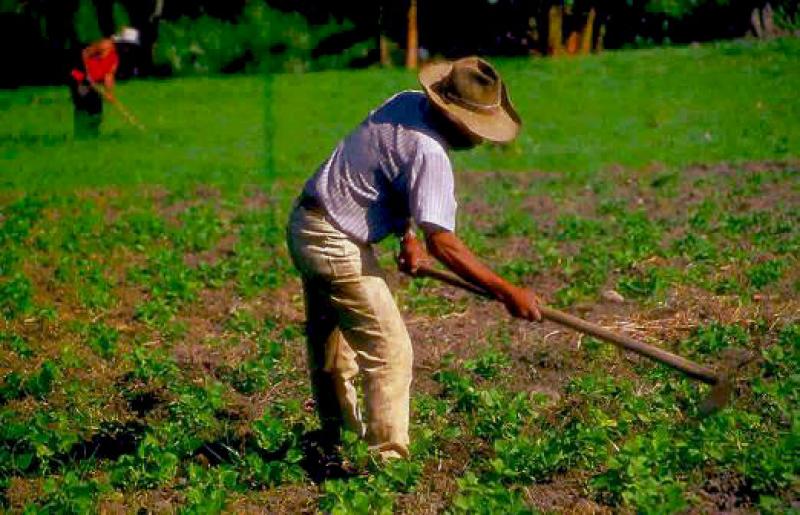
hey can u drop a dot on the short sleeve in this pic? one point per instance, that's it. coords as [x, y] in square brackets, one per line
[432, 188]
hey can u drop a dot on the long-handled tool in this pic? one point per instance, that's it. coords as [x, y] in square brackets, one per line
[720, 380]
[129, 117]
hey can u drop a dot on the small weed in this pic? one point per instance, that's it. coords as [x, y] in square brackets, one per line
[16, 344]
[102, 339]
[37, 384]
[16, 296]
[489, 364]
[765, 273]
[478, 496]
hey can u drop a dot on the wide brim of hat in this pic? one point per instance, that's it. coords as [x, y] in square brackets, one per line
[130, 36]
[123, 40]
[499, 125]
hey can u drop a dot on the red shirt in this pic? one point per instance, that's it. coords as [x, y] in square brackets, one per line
[97, 67]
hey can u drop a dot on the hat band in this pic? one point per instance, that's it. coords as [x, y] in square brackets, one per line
[469, 104]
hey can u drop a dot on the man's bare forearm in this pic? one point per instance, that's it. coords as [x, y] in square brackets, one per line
[455, 255]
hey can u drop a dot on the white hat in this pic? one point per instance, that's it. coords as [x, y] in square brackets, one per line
[126, 35]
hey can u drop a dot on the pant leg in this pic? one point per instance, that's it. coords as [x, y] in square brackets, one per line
[88, 113]
[373, 327]
[332, 364]
[320, 326]
[347, 274]
[341, 364]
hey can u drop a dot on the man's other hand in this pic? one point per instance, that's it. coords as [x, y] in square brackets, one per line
[412, 254]
[522, 303]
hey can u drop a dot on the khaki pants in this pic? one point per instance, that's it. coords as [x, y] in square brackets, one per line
[353, 325]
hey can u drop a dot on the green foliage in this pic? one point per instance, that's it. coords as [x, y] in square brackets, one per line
[137, 229]
[151, 364]
[69, 494]
[16, 344]
[765, 273]
[208, 489]
[102, 339]
[151, 466]
[170, 283]
[261, 39]
[714, 337]
[680, 8]
[271, 433]
[18, 218]
[16, 296]
[476, 496]
[254, 375]
[645, 283]
[37, 384]
[358, 495]
[87, 278]
[200, 229]
[489, 364]
[640, 480]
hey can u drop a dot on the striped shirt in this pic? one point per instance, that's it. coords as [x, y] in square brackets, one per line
[391, 168]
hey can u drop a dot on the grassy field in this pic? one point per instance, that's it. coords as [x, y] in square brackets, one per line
[733, 102]
[151, 325]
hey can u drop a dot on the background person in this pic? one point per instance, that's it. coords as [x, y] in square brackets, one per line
[93, 78]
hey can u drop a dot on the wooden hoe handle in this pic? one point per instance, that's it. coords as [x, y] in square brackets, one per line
[690, 368]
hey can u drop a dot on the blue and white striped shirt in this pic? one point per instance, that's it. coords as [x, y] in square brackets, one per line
[392, 167]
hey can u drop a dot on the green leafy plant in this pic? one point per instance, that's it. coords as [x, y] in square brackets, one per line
[151, 466]
[16, 296]
[765, 273]
[102, 339]
[476, 496]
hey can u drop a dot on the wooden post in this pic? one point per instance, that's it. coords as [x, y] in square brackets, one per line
[758, 27]
[385, 56]
[383, 42]
[588, 32]
[573, 43]
[599, 45]
[768, 19]
[412, 39]
[555, 45]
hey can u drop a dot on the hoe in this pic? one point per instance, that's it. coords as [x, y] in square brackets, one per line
[721, 380]
[120, 107]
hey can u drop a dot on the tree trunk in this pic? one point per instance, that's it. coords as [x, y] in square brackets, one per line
[755, 19]
[383, 42]
[412, 40]
[386, 57]
[767, 17]
[554, 31]
[599, 45]
[573, 43]
[588, 32]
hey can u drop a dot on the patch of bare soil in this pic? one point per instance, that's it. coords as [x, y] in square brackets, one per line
[295, 498]
[564, 494]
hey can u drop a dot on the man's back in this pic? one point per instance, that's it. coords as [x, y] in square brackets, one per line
[393, 166]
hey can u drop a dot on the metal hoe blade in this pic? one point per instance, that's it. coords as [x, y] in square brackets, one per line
[721, 393]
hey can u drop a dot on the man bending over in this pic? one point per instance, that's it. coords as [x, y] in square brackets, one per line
[390, 174]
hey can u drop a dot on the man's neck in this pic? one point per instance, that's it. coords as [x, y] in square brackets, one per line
[451, 134]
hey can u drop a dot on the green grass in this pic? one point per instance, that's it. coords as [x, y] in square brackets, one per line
[731, 101]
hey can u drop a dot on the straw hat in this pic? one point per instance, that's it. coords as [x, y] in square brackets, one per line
[127, 35]
[469, 91]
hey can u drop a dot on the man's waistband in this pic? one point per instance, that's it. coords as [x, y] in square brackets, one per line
[310, 203]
